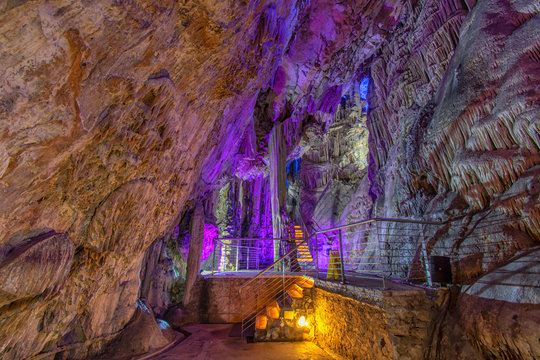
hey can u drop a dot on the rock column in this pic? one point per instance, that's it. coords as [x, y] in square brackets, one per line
[278, 189]
[195, 251]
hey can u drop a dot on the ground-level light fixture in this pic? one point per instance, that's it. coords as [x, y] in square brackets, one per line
[302, 321]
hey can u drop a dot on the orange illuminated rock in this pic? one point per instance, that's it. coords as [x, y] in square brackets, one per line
[295, 291]
[260, 322]
[272, 310]
[288, 315]
[305, 282]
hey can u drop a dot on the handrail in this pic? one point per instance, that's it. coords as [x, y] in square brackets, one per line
[410, 221]
[363, 222]
[273, 264]
[235, 245]
[258, 239]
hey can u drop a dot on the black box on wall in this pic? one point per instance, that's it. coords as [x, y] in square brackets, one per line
[441, 270]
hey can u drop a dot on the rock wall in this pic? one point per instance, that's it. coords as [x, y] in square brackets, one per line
[449, 135]
[157, 277]
[115, 114]
[454, 137]
[216, 299]
[491, 329]
[109, 111]
[333, 184]
[384, 324]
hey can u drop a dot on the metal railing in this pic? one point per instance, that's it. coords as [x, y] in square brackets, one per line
[231, 255]
[334, 256]
[261, 293]
[241, 254]
[381, 252]
[374, 248]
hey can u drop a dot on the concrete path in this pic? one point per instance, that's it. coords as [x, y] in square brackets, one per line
[212, 341]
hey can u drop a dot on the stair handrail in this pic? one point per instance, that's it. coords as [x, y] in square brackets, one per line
[273, 264]
[363, 222]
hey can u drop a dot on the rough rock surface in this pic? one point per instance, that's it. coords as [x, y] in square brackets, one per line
[34, 264]
[140, 335]
[517, 281]
[460, 125]
[157, 277]
[115, 114]
[495, 329]
[349, 328]
[454, 137]
[110, 111]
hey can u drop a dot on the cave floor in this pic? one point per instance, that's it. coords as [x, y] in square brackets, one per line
[212, 341]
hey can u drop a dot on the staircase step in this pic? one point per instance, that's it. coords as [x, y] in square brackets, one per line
[305, 282]
[272, 310]
[295, 291]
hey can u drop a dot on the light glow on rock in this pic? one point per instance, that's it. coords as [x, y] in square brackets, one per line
[302, 321]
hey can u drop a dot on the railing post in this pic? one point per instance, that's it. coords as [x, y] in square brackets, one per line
[426, 260]
[317, 255]
[283, 273]
[237, 255]
[214, 256]
[381, 259]
[247, 260]
[341, 258]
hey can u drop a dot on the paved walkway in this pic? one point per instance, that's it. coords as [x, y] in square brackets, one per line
[212, 341]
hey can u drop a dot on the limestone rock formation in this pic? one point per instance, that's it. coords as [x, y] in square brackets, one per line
[117, 116]
[109, 110]
[33, 264]
[454, 137]
[112, 110]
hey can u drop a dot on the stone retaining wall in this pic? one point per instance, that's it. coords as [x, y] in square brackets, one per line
[350, 328]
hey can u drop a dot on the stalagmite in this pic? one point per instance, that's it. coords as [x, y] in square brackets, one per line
[195, 251]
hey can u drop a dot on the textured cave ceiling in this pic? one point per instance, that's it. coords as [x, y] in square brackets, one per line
[116, 116]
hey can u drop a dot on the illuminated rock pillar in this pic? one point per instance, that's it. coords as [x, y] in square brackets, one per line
[278, 189]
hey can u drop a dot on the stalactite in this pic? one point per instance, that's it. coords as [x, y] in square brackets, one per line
[257, 203]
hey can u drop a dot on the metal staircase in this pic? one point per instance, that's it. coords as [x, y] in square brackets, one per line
[378, 253]
[265, 293]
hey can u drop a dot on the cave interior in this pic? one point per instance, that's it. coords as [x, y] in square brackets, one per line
[357, 178]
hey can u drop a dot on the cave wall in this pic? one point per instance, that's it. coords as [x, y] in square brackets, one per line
[115, 114]
[454, 137]
[109, 110]
[333, 184]
[364, 335]
[454, 131]
[112, 112]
